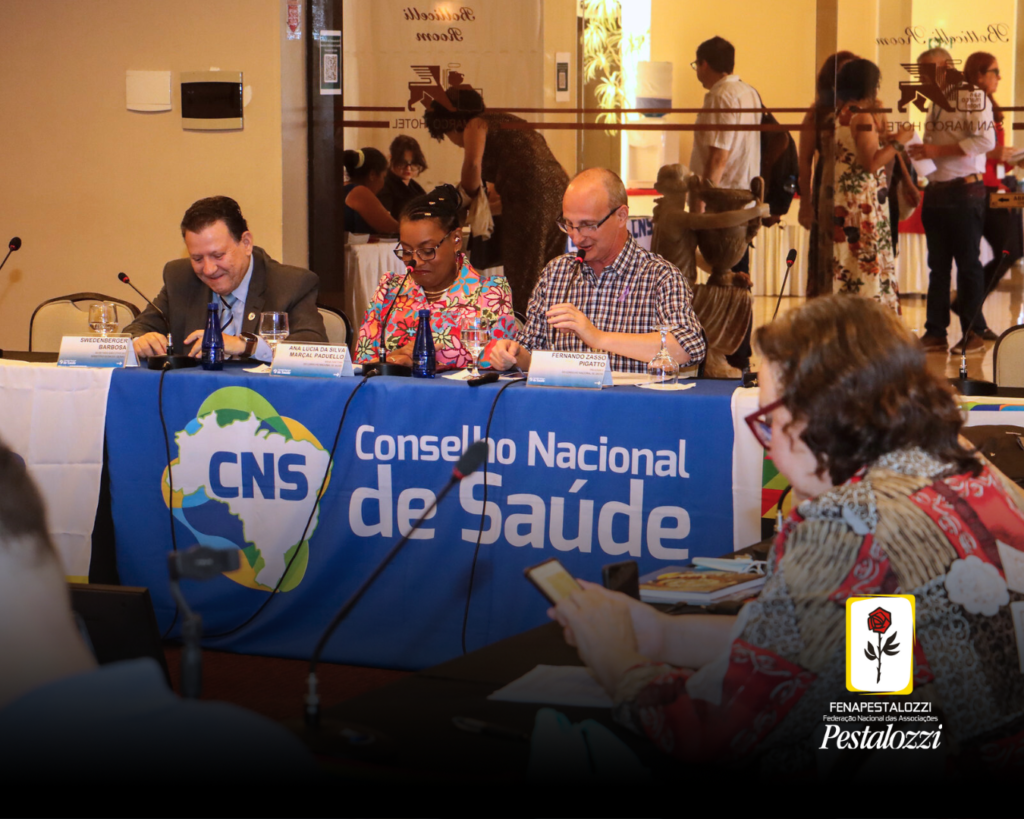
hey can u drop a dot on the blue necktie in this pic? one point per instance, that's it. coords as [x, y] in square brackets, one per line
[227, 314]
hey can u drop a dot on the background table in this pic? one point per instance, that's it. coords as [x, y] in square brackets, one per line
[627, 497]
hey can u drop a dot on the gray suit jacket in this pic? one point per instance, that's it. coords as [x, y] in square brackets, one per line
[274, 286]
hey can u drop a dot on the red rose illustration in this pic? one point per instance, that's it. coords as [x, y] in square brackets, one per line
[879, 621]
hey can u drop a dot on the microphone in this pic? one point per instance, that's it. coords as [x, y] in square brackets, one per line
[168, 361]
[790, 258]
[581, 257]
[971, 386]
[14, 244]
[125, 280]
[381, 367]
[472, 459]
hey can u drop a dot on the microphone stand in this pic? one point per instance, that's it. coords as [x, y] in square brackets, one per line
[973, 386]
[381, 366]
[789, 266]
[327, 736]
[168, 361]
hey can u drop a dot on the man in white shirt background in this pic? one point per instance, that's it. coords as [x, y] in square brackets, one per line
[728, 157]
[953, 213]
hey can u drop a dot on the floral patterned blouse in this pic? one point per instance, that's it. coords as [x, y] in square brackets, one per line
[905, 525]
[490, 296]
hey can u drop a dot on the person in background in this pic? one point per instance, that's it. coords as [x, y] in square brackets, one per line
[65, 718]
[816, 138]
[953, 213]
[1002, 228]
[364, 213]
[727, 157]
[614, 301]
[400, 185]
[862, 254]
[884, 502]
[524, 172]
[442, 281]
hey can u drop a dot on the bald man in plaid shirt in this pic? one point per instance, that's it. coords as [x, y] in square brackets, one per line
[615, 300]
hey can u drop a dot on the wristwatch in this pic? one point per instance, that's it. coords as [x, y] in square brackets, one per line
[250, 344]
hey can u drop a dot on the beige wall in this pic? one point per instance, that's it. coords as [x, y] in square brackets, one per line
[559, 35]
[93, 188]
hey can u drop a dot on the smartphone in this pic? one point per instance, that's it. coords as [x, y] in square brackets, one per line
[552, 580]
[622, 577]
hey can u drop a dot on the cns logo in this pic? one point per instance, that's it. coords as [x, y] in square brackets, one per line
[880, 644]
[246, 478]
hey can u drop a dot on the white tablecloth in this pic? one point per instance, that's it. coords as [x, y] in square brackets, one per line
[364, 266]
[53, 418]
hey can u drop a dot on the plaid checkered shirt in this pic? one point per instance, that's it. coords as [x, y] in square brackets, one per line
[634, 294]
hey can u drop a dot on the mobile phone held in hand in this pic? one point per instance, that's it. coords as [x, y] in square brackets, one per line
[622, 577]
[552, 580]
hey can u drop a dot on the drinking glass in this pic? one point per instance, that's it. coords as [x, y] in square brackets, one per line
[475, 335]
[103, 317]
[273, 328]
[662, 369]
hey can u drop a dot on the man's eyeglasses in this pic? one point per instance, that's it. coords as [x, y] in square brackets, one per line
[587, 228]
[760, 422]
[693, 65]
[424, 254]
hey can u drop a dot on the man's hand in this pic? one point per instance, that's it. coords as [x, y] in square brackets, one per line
[150, 344]
[925, 151]
[503, 354]
[233, 345]
[566, 317]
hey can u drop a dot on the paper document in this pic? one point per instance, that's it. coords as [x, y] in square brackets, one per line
[556, 685]
[922, 166]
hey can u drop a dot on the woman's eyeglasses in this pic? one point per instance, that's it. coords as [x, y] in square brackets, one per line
[401, 166]
[424, 254]
[760, 422]
[587, 228]
[992, 71]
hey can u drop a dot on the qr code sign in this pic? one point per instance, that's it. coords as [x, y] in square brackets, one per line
[330, 67]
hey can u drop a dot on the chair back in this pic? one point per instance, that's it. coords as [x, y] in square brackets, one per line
[69, 316]
[1008, 359]
[339, 329]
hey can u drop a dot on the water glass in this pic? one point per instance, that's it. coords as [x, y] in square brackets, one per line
[273, 328]
[663, 369]
[103, 317]
[475, 335]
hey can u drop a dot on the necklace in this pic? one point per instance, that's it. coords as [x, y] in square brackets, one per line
[434, 295]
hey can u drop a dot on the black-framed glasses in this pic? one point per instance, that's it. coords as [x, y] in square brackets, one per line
[992, 71]
[760, 422]
[425, 254]
[693, 65]
[586, 228]
[401, 166]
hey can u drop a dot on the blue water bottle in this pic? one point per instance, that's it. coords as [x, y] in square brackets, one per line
[424, 364]
[213, 340]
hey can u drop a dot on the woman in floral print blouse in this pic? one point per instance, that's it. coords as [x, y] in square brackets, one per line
[887, 500]
[440, 280]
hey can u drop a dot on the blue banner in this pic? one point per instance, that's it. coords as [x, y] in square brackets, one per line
[589, 477]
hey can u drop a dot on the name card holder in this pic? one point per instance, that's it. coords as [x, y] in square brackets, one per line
[311, 360]
[97, 351]
[554, 369]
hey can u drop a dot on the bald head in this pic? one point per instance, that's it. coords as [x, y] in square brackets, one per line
[939, 56]
[593, 182]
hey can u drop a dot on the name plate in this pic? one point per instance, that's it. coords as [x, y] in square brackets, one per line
[553, 369]
[311, 360]
[97, 351]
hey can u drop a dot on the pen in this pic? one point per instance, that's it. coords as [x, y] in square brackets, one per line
[475, 726]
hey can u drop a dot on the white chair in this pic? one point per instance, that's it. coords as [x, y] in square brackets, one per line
[1008, 358]
[339, 330]
[69, 316]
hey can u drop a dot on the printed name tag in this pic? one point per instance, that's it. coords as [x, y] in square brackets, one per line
[552, 369]
[313, 360]
[97, 351]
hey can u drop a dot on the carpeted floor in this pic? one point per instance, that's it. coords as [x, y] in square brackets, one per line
[274, 687]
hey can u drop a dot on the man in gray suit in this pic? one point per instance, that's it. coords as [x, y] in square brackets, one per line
[225, 267]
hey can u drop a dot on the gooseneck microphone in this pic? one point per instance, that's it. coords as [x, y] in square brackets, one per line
[125, 280]
[790, 258]
[581, 257]
[971, 386]
[472, 459]
[14, 244]
[381, 366]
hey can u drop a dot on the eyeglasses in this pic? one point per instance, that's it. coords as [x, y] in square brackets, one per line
[693, 65]
[992, 71]
[586, 228]
[425, 254]
[760, 422]
[401, 166]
